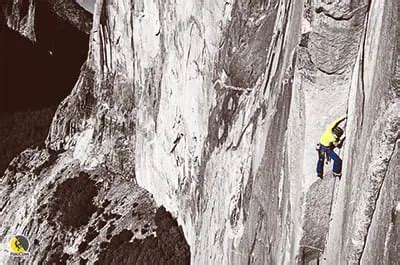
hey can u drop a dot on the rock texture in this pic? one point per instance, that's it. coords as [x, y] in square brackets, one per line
[317, 210]
[72, 216]
[374, 129]
[215, 108]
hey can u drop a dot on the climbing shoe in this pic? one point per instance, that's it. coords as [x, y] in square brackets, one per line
[337, 175]
[319, 175]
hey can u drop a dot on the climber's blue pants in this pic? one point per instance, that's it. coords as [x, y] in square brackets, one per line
[337, 162]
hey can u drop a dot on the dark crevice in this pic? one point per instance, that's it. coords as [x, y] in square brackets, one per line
[344, 17]
[24, 8]
[362, 64]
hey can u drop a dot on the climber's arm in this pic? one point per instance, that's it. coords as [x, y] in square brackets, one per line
[335, 123]
[340, 142]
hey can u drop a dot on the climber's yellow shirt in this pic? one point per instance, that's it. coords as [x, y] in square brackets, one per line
[328, 137]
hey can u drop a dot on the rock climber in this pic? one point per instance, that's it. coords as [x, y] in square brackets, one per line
[330, 139]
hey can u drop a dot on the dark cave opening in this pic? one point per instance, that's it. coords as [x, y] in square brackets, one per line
[35, 78]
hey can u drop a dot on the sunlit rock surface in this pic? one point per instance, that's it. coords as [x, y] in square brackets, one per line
[87, 4]
[215, 108]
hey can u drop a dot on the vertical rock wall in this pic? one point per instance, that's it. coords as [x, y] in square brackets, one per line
[364, 219]
[183, 96]
[326, 55]
[215, 109]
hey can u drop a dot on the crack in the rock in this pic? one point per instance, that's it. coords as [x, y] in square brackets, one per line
[344, 17]
[253, 244]
[335, 72]
[362, 63]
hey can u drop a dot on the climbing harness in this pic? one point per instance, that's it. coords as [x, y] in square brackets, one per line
[323, 154]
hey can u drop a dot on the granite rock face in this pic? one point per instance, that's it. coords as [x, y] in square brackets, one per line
[71, 216]
[371, 157]
[215, 109]
[198, 108]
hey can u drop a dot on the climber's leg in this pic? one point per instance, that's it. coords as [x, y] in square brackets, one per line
[320, 164]
[337, 163]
